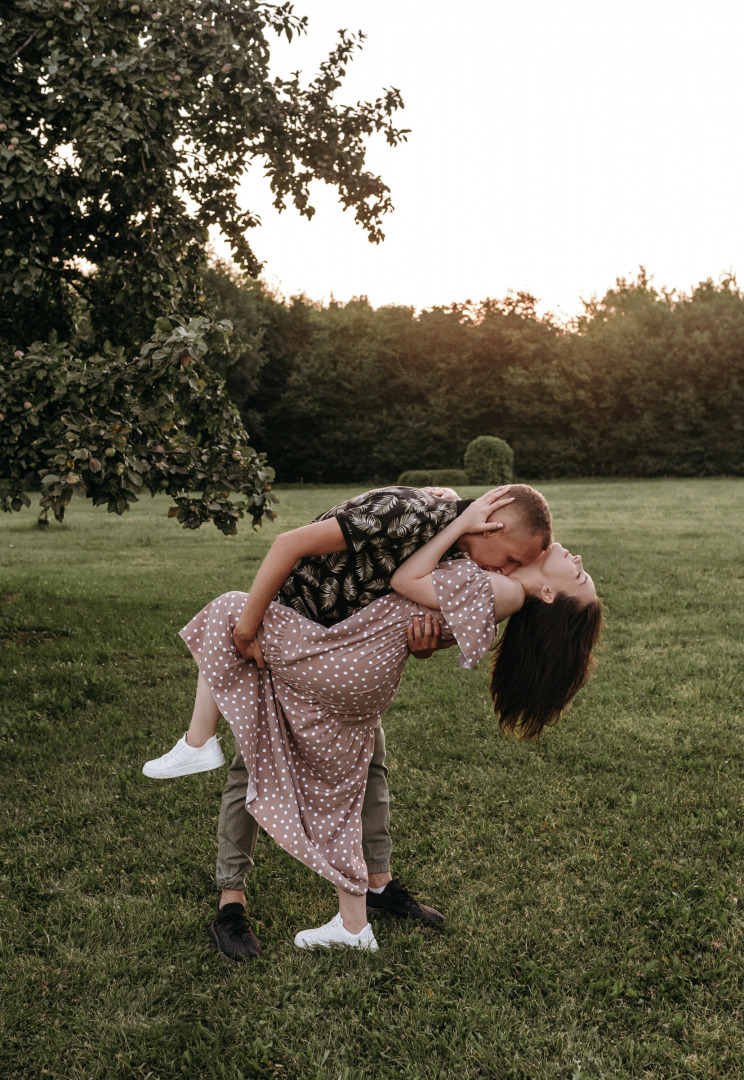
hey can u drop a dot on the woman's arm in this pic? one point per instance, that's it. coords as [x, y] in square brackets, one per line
[413, 577]
[319, 538]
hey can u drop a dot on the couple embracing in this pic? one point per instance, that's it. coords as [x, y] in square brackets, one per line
[304, 665]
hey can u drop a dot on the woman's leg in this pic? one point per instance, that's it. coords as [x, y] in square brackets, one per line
[349, 928]
[353, 910]
[205, 717]
[196, 751]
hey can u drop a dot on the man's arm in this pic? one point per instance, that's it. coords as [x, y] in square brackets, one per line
[319, 538]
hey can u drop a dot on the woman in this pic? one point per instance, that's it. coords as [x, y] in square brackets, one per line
[306, 722]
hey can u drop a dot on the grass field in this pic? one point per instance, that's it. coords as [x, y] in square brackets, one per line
[592, 886]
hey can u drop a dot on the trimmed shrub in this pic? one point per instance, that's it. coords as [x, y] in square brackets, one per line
[448, 478]
[489, 460]
[415, 478]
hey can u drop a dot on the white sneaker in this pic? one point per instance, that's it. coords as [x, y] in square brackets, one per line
[183, 760]
[335, 933]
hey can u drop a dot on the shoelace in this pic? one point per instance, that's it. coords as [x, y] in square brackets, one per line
[405, 893]
[235, 919]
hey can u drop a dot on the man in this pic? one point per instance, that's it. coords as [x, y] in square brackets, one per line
[326, 571]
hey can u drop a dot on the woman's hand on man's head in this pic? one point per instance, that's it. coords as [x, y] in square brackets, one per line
[475, 518]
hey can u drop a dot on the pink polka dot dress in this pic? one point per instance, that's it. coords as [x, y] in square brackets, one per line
[305, 724]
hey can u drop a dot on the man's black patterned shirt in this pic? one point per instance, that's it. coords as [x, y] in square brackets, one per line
[381, 528]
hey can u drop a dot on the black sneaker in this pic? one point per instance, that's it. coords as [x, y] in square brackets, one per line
[396, 899]
[232, 935]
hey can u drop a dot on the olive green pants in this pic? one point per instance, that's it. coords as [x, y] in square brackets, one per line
[237, 831]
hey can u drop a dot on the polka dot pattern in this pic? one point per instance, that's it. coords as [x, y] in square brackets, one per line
[466, 600]
[305, 724]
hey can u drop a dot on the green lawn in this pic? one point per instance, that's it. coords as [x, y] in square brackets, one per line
[592, 886]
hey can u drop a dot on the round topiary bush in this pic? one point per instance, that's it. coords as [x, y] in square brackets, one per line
[415, 478]
[448, 478]
[489, 460]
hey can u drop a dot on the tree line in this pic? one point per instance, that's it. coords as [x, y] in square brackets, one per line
[645, 382]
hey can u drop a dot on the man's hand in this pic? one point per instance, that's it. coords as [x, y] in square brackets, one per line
[248, 647]
[442, 493]
[423, 641]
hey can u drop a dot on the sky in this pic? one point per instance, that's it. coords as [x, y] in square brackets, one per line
[555, 145]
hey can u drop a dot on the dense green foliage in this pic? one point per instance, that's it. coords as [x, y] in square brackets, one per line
[448, 477]
[592, 886]
[645, 383]
[488, 461]
[107, 427]
[416, 478]
[125, 129]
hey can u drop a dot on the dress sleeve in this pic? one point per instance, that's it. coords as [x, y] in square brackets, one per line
[466, 600]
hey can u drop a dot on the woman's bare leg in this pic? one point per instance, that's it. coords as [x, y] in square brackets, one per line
[353, 910]
[205, 717]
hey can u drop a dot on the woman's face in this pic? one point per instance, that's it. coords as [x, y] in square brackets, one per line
[558, 571]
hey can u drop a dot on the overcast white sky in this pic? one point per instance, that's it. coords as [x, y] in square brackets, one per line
[555, 144]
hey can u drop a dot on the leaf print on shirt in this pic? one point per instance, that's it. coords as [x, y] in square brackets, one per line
[378, 586]
[366, 523]
[402, 525]
[309, 607]
[308, 574]
[365, 567]
[336, 558]
[409, 546]
[389, 500]
[384, 559]
[329, 593]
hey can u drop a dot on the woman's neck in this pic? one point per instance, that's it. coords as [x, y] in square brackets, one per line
[508, 594]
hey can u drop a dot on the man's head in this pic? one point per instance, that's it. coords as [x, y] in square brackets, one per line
[527, 532]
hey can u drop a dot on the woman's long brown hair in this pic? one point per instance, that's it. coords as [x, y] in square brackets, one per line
[541, 660]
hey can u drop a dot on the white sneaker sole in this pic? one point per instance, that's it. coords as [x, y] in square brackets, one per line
[156, 774]
[371, 946]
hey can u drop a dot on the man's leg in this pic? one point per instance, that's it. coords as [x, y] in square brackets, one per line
[386, 893]
[236, 835]
[236, 843]
[376, 842]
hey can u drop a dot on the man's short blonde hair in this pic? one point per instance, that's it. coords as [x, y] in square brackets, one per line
[533, 513]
